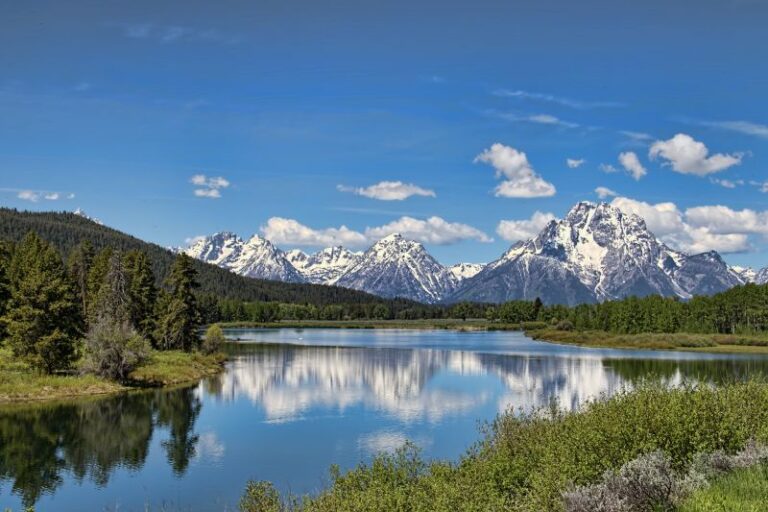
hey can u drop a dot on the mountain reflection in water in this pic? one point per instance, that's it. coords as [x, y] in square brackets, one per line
[285, 412]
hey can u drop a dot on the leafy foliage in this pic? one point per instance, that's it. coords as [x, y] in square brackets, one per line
[529, 459]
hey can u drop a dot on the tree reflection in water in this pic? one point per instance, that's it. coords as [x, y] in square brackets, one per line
[90, 439]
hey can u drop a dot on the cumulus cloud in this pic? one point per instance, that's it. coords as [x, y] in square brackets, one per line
[433, 230]
[389, 191]
[608, 168]
[520, 178]
[723, 220]
[604, 192]
[574, 163]
[632, 165]
[688, 156]
[209, 186]
[514, 230]
[291, 232]
[686, 231]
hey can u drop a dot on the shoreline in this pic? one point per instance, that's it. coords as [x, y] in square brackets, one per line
[707, 343]
[19, 385]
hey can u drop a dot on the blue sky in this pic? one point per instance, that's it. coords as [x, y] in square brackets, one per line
[304, 108]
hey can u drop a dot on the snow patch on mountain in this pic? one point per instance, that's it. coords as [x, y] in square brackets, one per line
[463, 271]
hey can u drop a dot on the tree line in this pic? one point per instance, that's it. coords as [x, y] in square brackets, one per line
[739, 310]
[103, 307]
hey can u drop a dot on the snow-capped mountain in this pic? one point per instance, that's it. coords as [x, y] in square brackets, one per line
[747, 274]
[256, 257]
[462, 271]
[596, 253]
[762, 276]
[323, 267]
[396, 267]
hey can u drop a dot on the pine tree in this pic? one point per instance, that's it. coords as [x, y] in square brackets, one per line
[6, 253]
[43, 312]
[96, 275]
[142, 292]
[113, 347]
[78, 266]
[180, 320]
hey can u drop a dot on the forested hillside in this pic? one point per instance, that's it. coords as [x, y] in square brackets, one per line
[66, 230]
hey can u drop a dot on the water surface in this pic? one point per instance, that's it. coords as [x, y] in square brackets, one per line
[293, 402]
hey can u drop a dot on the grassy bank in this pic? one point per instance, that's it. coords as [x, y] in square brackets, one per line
[745, 490]
[20, 383]
[527, 462]
[724, 343]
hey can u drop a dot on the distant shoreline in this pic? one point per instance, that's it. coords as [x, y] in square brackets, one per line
[693, 342]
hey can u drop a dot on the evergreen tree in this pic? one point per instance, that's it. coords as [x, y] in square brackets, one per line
[43, 313]
[6, 253]
[180, 320]
[78, 266]
[96, 276]
[142, 292]
[113, 346]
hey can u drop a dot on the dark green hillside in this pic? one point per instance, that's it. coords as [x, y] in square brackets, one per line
[65, 230]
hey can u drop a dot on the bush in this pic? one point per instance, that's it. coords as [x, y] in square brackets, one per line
[112, 351]
[564, 325]
[213, 340]
[530, 459]
[532, 326]
[260, 497]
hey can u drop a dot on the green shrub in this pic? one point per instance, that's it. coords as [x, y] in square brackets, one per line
[213, 340]
[260, 497]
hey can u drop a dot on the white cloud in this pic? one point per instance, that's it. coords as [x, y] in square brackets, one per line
[291, 232]
[212, 193]
[574, 163]
[533, 118]
[764, 188]
[514, 230]
[685, 231]
[637, 136]
[433, 230]
[745, 127]
[632, 164]
[550, 119]
[727, 183]
[722, 220]
[36, 195]
[178, 33]
[521, 179]
[209, 186]
[29, 195]
[688, 156]
[608, 168]
[604, 192]
[389, 191]
[549, 98]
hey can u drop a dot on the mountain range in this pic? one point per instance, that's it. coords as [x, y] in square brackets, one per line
[595, 253]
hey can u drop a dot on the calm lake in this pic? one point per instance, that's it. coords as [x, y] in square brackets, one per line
[293, 402]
